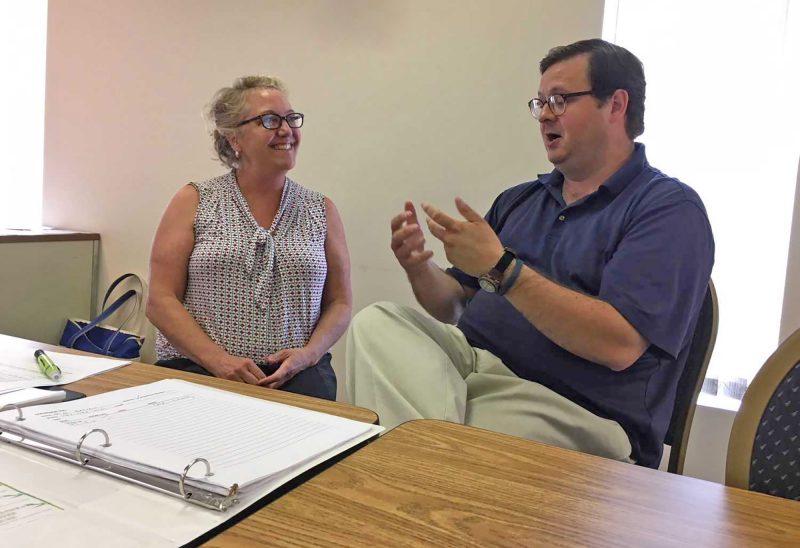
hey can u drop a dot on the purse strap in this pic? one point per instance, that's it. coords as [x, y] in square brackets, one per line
[121, 279]
[111, 309]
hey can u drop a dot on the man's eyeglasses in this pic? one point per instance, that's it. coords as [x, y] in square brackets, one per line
[557, 103]
[271, 120]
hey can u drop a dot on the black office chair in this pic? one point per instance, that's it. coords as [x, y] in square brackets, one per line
[691, 381]
[764, 447]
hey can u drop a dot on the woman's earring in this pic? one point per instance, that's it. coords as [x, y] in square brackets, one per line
[236, 153]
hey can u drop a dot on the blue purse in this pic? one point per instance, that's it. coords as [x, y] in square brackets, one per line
[92, 336]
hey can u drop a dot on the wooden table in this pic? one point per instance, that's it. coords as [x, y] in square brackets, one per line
[440, 484]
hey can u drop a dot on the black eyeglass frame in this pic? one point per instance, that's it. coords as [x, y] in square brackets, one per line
[550, 100]
[261, 118]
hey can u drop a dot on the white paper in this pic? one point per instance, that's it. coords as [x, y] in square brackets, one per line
[90, 509]
[31, 396]
[18, 368]
[160, 428]
[99, 510]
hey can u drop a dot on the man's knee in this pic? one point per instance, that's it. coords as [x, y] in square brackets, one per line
[365, 324]
[372, 313]
[375, 314]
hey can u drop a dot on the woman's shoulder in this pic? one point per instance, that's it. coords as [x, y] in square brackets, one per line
[214, 191]
[310, 205]
[304, 191]
[220, 183]
[305, 196]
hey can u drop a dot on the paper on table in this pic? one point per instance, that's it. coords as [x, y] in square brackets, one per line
[18, 368]
[161, 427]
[31, 396]
[77, 508]
[105, 511]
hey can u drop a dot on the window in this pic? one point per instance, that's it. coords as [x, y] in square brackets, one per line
[23, 47]
[722, 115]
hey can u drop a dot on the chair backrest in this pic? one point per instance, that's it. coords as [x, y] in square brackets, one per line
[764, 447]
[691, 381]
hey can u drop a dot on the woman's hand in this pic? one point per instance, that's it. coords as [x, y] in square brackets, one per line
[292, 361]
[235, 368]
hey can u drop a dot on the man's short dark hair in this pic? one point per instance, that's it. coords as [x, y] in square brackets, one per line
[611, 67]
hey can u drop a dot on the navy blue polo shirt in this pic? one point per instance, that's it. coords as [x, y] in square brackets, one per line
[642, 243]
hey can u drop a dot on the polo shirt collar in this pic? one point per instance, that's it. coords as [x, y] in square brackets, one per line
[628, 172]
[554, 180]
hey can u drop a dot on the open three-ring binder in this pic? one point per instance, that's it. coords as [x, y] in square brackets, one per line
[203, 445]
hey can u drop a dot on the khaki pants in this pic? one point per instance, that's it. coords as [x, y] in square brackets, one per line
[405, 365]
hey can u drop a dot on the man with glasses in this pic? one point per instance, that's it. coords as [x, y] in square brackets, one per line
[574, 299]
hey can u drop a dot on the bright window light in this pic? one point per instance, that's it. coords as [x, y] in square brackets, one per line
[722, 115]
[23, 49]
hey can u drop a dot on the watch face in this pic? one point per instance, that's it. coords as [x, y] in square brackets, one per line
[487, 284]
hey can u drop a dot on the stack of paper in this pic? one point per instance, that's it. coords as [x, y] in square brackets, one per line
[158, 429]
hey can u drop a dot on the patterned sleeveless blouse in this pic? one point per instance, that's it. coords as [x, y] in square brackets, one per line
[253, 290]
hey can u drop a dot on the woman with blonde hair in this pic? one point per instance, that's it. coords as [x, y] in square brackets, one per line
[249, 271]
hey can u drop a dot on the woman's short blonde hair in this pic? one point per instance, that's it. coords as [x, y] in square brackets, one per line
[227, 108]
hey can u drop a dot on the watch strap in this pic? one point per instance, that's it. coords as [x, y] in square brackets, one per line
[509, 281]
[492, 280]
[505, 260]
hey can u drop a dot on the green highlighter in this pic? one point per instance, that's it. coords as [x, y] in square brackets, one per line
[47, 366]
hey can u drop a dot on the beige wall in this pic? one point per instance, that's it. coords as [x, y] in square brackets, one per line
[419, 99]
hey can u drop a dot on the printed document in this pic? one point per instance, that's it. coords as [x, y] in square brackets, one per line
[160, 428]
[156, 430]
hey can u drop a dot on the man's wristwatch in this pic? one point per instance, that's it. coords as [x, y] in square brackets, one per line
[491, 281]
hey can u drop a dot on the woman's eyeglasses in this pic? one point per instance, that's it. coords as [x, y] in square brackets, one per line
[270, 120]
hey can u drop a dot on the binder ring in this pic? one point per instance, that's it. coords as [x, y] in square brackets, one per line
[183, 492]
[78, 455]
[14, 406]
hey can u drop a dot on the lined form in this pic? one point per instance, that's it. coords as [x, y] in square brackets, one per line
[161, 427]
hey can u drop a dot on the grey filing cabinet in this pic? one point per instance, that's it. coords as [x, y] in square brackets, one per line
[46, 276]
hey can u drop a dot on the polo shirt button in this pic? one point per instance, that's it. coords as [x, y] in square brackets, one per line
[562, 218]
